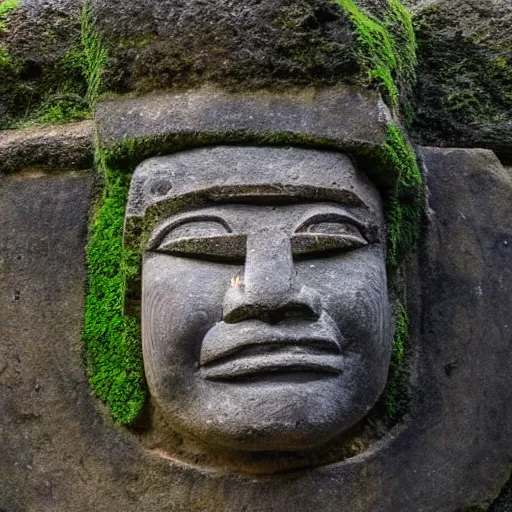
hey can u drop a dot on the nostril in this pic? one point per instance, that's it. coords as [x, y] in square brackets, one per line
[270, 315]
[305, 304]
[244, 312]
[291, 311]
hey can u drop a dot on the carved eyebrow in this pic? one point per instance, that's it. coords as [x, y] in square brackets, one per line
[273, 192]
[331, 217]
[163, 230]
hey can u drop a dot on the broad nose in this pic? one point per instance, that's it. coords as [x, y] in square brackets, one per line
[269, 290]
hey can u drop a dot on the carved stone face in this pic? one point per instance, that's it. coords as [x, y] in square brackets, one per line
[265, 317]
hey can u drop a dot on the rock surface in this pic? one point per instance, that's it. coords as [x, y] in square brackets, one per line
[342, 115]
[463, 96]
[56, 147]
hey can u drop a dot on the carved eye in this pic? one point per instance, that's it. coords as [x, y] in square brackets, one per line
[334, 228]
[202, 239]
[332, 233]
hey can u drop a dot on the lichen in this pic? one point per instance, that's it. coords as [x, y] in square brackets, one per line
[463, 96]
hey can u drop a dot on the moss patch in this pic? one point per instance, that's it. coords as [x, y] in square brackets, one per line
[403, 207]
[6, 6]
[61, 92]
[9, 66]
[394, 399]
[291, 42]
[94, 56]
[302, 40]
[112, 339]
[387, 46]
[463, 96]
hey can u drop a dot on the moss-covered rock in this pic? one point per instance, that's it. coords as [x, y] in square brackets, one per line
[464, 91]
[157, 45]
[51, 64]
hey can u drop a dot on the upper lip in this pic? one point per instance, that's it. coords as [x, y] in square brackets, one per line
[253, 346]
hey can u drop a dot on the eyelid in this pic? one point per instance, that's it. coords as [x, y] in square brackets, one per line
[228, 247]
[332, 217]
[161, 232]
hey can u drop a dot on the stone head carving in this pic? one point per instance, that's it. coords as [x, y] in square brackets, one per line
[265, 313]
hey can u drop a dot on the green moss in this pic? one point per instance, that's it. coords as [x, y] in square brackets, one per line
[73, 85]
[94, 56]
[7, 62]
[404, 205]
[394, 399]
[66, 91]
[395, 160]
[8, 65]
[309, 49]
[6, 6]
[386, 47]
[464, 92]
[64, 88]
[112, 339]
[136, 42]
[403, 209]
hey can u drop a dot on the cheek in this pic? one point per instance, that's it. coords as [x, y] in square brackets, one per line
[181, 300]
[353, 287]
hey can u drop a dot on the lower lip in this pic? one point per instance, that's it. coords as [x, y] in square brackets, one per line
[273, 364]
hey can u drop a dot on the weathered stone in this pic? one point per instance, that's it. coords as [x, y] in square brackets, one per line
[258, 73]
[154, 45]
[41, 67]
[463, 96]
[452, 451]
[341, 115]
[56, 147]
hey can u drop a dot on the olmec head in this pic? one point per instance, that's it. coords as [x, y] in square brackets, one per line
[265, 312]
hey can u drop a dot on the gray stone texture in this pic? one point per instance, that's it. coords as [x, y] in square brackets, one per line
[170, 44]
[67, 146]
[60, 452]
[344, 116]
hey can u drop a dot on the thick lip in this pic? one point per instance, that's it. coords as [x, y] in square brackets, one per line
[254, 347]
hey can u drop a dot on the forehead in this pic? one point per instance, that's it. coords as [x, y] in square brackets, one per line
[170, 176]
[168, 185]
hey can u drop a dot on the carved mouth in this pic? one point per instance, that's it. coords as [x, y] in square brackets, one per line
[283, 362]
[253, 347]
